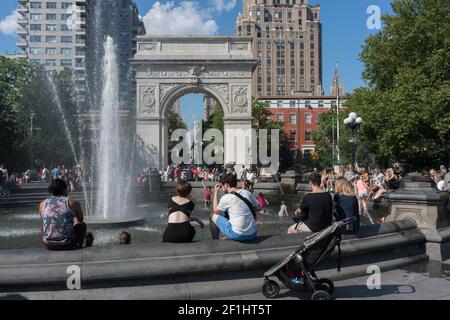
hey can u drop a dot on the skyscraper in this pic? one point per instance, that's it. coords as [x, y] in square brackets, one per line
[53, 33]
[118, 19]
[70, 34]
[287, 41]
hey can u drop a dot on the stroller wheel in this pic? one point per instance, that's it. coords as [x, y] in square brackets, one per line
[270, 289]
[320, 295]
[327, 285]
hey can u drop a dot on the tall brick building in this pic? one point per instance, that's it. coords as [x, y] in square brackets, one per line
[287, 41]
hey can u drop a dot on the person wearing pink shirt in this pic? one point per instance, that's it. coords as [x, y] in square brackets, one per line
[362, 191]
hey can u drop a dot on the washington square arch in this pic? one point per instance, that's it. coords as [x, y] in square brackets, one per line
[169, 67]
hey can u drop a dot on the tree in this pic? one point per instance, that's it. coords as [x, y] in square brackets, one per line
[406, 105]
[323, 137]
[174, 122]
[14, 75]
[215, 120]
[49, 143]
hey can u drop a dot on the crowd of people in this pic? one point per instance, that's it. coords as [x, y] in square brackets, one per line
[335, 195]
[197, 173]
[45, 174]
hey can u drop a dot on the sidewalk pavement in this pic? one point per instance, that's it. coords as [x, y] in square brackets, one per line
[426, 281]
[429, 281]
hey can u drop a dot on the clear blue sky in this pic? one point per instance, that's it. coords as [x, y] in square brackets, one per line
[344, 31]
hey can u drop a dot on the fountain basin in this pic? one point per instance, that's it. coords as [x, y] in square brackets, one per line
[114, 223]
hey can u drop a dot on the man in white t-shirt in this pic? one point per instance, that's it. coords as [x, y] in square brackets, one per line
[240, 206]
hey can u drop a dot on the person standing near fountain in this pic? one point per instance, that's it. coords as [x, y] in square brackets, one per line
[179, 228]
[63, 226]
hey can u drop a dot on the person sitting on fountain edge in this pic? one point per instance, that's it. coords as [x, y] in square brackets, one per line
[315, 213]
[63, 226]
[179, 228]
[240, 206]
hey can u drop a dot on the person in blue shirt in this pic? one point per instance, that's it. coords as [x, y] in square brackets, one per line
[56, 172]
[346, 203]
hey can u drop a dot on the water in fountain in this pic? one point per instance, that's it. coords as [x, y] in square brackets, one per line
[110, 171]
[70, 137]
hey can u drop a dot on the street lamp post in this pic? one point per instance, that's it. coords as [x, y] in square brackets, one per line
[353, 122]
[32, 115]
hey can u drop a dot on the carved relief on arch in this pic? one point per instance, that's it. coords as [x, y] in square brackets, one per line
[148, 100]
[240, 99]
[223, 89]
[165, 88]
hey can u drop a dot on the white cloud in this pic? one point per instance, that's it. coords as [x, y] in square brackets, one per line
[9, 24]
[185, 18]
[224, 5]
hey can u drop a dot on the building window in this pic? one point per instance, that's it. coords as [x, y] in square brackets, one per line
[50, 62]
[293, 118]
[308, 118]
[66, 63]
[50, 16]
[66, 5]
[65, 16]
[35, 50]
[35, 5]
[50, 39]
[51, 5]
[66, 51]
[35, 16]
[50, 51]
[280, 117]
[35, 61]
[35, 27]
[35, 38]
[50, 27]
[66, 39]
[280, 103]
[292, 103]
[293, 135]
[320, 103]
[65, 27]
[308, 103]
[308, 135]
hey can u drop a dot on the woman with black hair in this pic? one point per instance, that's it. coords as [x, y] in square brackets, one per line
[63, 226]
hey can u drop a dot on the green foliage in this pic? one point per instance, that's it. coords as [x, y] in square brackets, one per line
[324, 141]
[215, 121]
[49, 142]
[25, 91]
[174, 122]
[14, 75]
[406, 106]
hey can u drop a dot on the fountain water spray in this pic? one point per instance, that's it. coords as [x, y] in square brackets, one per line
[110, 174]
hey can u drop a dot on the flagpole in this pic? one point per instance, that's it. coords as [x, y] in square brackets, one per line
[338, 109]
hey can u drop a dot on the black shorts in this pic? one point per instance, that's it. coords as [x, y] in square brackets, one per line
[179, 233]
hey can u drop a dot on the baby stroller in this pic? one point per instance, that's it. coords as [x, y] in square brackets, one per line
[297, 271]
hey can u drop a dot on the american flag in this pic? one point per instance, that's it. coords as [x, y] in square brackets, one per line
[336, 77]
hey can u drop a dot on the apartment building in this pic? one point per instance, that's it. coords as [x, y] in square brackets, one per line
[287, 41]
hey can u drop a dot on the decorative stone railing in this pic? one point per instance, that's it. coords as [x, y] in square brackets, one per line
[418, 199]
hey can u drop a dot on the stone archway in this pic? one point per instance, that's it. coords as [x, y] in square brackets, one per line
[170, 67]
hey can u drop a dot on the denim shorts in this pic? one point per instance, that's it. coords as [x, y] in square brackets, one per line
[224, 226]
